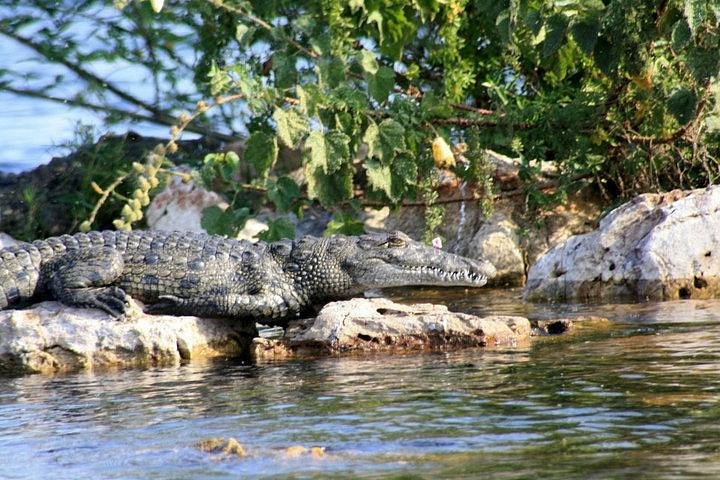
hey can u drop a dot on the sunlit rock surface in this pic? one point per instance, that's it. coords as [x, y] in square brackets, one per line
[497, 241]
[6, 240]
[380, 325]
[51, 337]
[180, 205]
[508, 237]
[655, 247]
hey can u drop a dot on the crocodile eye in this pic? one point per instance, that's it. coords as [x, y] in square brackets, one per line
[395, 242]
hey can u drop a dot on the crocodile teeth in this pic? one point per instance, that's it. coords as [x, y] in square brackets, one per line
[445, 275]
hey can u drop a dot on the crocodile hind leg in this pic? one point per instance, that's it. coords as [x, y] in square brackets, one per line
[85, 278]
[260, 305]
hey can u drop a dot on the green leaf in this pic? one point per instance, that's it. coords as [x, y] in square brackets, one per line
[328, 151]
[290, 126]
[344, 224]
[283, 193]
[331, 72]
[606, 55]
[431, 107]
[585, 33]
[392, 138]
[355, 5]
[372, 139]
[329, 189]
[207, 171]
[703, 63]
[229, 166]
[381, 84]
[405, 169]
[556, 28]
[696, 13]
[376, 18]
[321, 43]
[682, 105]
[404, 175]
[284, 69]
[379, 177]
[337, 145]
[219, 79]
[367, 61]
[534, 21]
[315, 142]
[278, 229]
[261, 151]
[228, 222]
[243, 33]
[680, 35]
[309, 97]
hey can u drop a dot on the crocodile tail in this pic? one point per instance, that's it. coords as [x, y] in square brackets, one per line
[19, 274]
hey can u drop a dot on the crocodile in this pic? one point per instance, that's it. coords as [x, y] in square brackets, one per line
[214, 276]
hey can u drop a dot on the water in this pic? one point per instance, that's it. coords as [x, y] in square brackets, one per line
[634, 398]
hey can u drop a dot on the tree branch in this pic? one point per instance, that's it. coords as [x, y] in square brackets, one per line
[262, 24]
[88, 76]
[469, 122]
[677, 134]
[108, 109]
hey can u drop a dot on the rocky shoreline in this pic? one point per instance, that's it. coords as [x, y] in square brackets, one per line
[655, 247]
[51, 338]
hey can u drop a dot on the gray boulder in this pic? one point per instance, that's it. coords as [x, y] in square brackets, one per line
[51, 337]
[380, 325]
[655, 247]
[6, 240]
[179, 206]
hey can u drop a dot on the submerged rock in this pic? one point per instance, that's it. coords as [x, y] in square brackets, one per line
[226, 447]
[655, 247]
[51, 337]
[380, 325]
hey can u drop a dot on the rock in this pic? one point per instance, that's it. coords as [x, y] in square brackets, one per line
[655, 247]
[227, 448]
[508, 238]
[37, 203]
[179, 206]
[314, 221]
[6, 240]
[553, 327]
[51, 337]
[497, 241]
[296, 451]
[378, 324]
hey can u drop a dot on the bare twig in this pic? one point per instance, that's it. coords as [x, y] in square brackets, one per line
[262, 24]
[119, 111]
[469, 122]
[85, 74]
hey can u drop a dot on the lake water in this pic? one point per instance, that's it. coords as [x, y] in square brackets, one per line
[32, 131]
[635, 398]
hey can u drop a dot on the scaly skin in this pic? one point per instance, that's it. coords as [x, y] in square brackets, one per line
[208, 275]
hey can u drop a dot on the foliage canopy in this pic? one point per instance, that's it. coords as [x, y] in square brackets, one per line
[624, 95]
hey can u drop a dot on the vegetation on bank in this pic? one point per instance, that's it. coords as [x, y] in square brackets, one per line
[376, 95]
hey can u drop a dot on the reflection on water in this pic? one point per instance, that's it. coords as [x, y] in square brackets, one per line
[637, 399]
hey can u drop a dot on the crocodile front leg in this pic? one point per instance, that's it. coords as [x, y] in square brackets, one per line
[85, 278]
[261, 305]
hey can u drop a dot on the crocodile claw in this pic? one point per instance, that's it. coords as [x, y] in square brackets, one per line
[165, 304]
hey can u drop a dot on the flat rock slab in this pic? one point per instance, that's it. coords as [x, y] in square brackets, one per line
[51, 337]
[380, 325]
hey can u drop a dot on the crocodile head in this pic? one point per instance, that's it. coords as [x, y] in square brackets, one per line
[342, 265]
